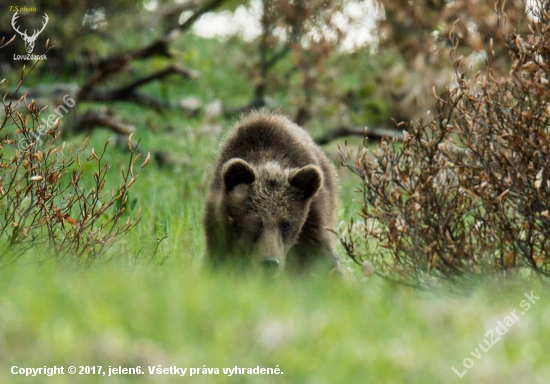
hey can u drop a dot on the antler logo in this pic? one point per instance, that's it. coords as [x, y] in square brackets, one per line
[29, 40]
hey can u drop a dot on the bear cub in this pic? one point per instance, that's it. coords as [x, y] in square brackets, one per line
[272, 200]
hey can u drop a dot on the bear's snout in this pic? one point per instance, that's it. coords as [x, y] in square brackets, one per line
[270, 264]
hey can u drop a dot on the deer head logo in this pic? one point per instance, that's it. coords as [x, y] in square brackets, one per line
[29, 40]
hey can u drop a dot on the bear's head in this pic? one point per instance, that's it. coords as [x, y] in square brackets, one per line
[265, 208]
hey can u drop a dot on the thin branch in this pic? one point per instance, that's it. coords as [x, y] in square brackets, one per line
[207, 8]
[129, 92]
[117, 63]
[92, 119]
[371, 133]
[173, 69]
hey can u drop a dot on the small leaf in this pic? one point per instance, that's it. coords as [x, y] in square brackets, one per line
[92, 155]
[129, 142]
[146, 161]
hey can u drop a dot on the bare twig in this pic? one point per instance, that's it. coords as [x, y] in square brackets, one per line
[376, 134]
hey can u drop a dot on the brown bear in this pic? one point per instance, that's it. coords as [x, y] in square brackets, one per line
[272, 200]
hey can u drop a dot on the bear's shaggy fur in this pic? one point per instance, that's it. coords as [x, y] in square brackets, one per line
[273, 198]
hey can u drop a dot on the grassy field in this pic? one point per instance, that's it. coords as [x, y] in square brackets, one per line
[315, 330]
[149, 304]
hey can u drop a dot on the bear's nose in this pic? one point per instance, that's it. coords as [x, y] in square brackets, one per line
[270, 263]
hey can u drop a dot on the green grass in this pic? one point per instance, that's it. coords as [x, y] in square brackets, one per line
[138, 307]
[316, 330]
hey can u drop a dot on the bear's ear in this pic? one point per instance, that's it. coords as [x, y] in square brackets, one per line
[235, 172]
[307, 179]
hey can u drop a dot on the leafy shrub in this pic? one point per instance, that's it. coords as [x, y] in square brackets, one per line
[52, 196]
[469, 191]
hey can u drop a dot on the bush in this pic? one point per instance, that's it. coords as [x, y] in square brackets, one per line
[468, 192]
[52, 196]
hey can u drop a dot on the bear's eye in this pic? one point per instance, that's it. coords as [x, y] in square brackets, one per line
[285, 226]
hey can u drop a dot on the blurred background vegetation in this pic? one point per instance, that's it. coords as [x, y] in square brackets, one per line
[163, 81]
[327, 64]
